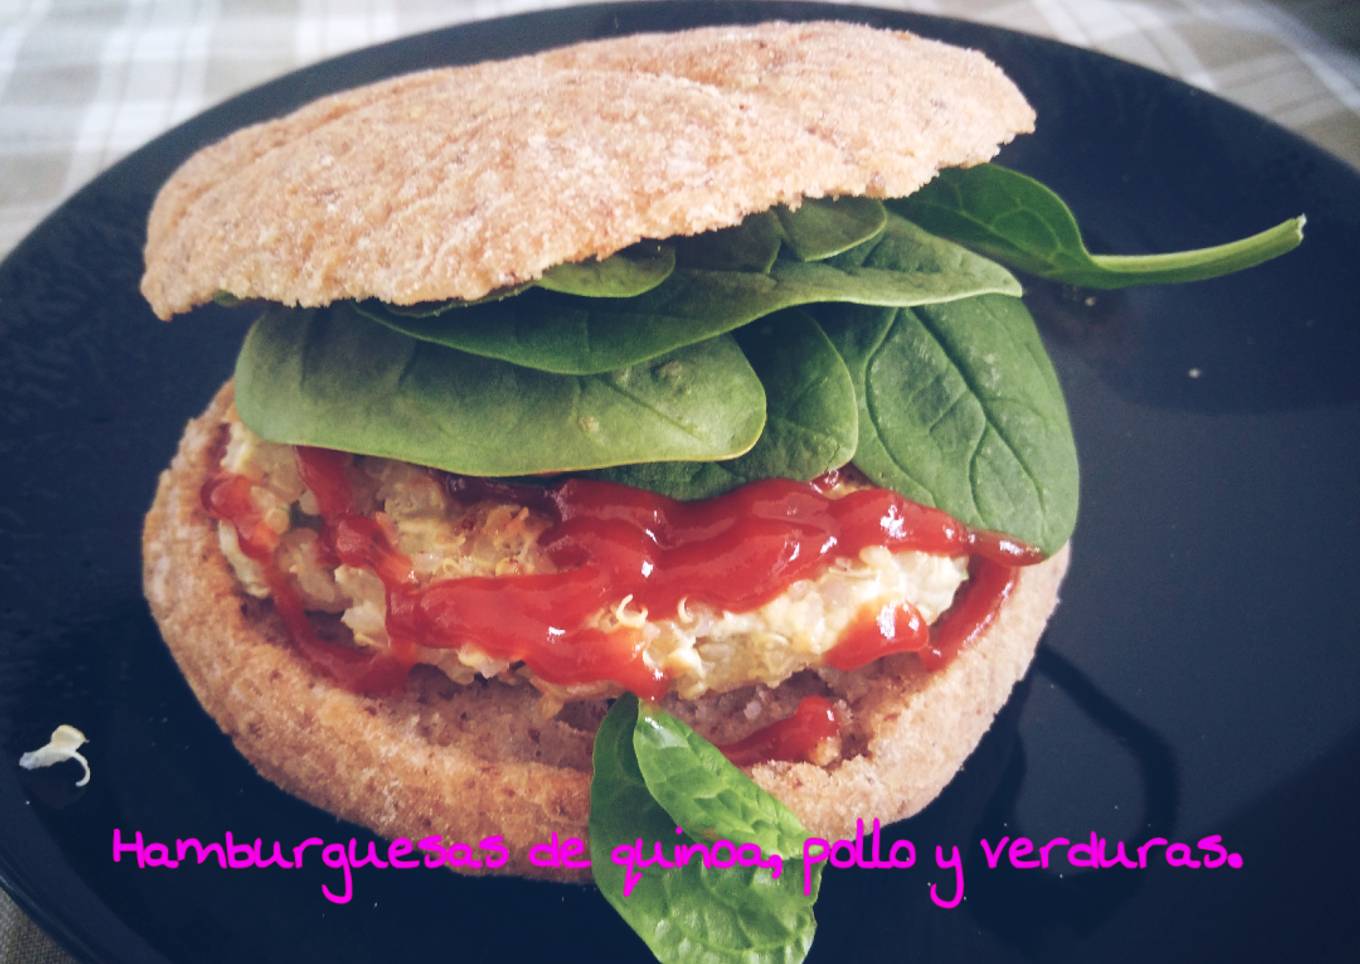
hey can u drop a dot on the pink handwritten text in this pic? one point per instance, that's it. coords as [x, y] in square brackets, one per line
[866, 850]
[232, 854]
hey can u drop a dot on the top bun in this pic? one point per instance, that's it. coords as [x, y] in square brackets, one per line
[453, 183]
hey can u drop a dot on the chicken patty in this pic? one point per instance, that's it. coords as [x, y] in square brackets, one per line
[700, 648]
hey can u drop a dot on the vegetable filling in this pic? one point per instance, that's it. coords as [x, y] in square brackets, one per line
[521, 582]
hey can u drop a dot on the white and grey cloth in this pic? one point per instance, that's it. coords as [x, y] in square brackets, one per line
[84, 82]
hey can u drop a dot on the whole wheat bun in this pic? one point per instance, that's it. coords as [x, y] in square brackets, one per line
[467, 762]
[452, 183]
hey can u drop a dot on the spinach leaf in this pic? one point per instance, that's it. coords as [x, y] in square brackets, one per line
[626, 274]
[706, 793]
[1015, 219]
[959, 408]
[750, 246]
[574, 336]
[820, 228]
[823, 227]
[810, 425]
[689, 913]
[433, 309]
[336, 380]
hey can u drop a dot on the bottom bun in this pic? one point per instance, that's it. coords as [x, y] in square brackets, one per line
[468, 762]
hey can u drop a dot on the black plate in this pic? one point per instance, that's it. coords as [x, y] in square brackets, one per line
[1200, 676]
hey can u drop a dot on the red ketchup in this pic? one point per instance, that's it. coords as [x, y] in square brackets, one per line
[896, 628]
[607, 541]
[794, 739]
[227, 497]
[974, 609]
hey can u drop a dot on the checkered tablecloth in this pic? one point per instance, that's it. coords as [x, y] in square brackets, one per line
[83, 82]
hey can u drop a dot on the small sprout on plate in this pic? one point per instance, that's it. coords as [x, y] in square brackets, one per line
[64, 745]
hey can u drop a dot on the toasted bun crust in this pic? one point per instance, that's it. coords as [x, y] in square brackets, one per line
[452, 183]
[469, 762]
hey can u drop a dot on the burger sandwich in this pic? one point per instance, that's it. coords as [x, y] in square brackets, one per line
[660, 411]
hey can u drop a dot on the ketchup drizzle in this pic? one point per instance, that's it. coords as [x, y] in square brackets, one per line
[608, 541]
[974, 609]
[795, 738]
[896, 628]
